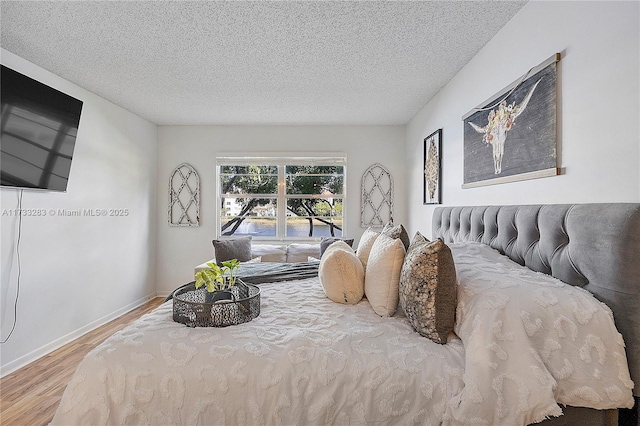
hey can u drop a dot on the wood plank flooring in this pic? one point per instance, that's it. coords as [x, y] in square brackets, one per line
[30, 395]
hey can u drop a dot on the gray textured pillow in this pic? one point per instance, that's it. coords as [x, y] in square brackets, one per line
[428, 288]
[237, 248]
[327, 241]
[397, 231]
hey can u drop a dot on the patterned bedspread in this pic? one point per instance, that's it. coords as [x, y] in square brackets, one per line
[530, 340]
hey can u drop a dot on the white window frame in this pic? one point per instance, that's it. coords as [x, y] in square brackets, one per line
[281, 160]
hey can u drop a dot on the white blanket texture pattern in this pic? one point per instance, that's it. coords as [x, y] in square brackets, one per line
[530, 341]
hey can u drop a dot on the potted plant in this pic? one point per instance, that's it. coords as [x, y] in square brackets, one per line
[218, 280]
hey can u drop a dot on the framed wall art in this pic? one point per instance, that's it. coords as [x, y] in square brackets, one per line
[512, 136]
[432, 171]
[184, 196]
[376, 208]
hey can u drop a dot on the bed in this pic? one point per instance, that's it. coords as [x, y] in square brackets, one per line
[525, 344]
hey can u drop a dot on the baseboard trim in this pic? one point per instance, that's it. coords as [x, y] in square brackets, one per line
[68, 338]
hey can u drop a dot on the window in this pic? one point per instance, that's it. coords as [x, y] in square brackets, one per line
[277, 198]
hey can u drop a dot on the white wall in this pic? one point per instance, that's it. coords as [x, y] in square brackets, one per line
[78, 272]
[599, 114]
[181, 248]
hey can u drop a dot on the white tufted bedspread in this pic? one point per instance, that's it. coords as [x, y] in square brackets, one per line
[306, 360]
[530, 341]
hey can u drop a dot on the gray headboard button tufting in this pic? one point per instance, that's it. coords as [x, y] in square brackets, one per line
[595, 246]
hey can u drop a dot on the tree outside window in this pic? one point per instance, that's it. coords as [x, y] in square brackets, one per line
[285, 200]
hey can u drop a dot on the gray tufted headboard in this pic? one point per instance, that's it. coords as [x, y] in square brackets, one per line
[595, 246]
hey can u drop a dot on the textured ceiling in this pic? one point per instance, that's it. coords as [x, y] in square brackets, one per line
[207, 62]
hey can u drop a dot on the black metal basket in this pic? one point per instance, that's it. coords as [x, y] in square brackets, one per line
[192, 307]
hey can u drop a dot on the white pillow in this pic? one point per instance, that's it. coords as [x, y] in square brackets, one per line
[297, 252]
[365, 244]
[341, 274]
[270, 253]
[382, 276]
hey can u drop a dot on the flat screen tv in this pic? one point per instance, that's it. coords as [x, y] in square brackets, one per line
[39, 128]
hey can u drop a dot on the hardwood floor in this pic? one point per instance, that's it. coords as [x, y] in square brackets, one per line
[30, 395]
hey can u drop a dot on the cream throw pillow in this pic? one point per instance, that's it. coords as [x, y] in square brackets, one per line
[270, 253]
[382, 276]
[341, 274]
[365, 244]
[297, 252]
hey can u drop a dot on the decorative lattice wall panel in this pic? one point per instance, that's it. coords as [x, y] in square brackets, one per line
[184, 196]
[377, 197]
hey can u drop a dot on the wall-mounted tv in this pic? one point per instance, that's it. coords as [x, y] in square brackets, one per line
[38, 134]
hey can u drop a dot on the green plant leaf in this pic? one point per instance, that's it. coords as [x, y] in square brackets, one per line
[199, 282]
[212, 277]
[231, 264]
[201, 278]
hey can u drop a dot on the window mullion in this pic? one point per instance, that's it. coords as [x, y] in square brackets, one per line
[282, 202]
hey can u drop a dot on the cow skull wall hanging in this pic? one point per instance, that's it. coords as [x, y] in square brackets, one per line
[512, 136]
